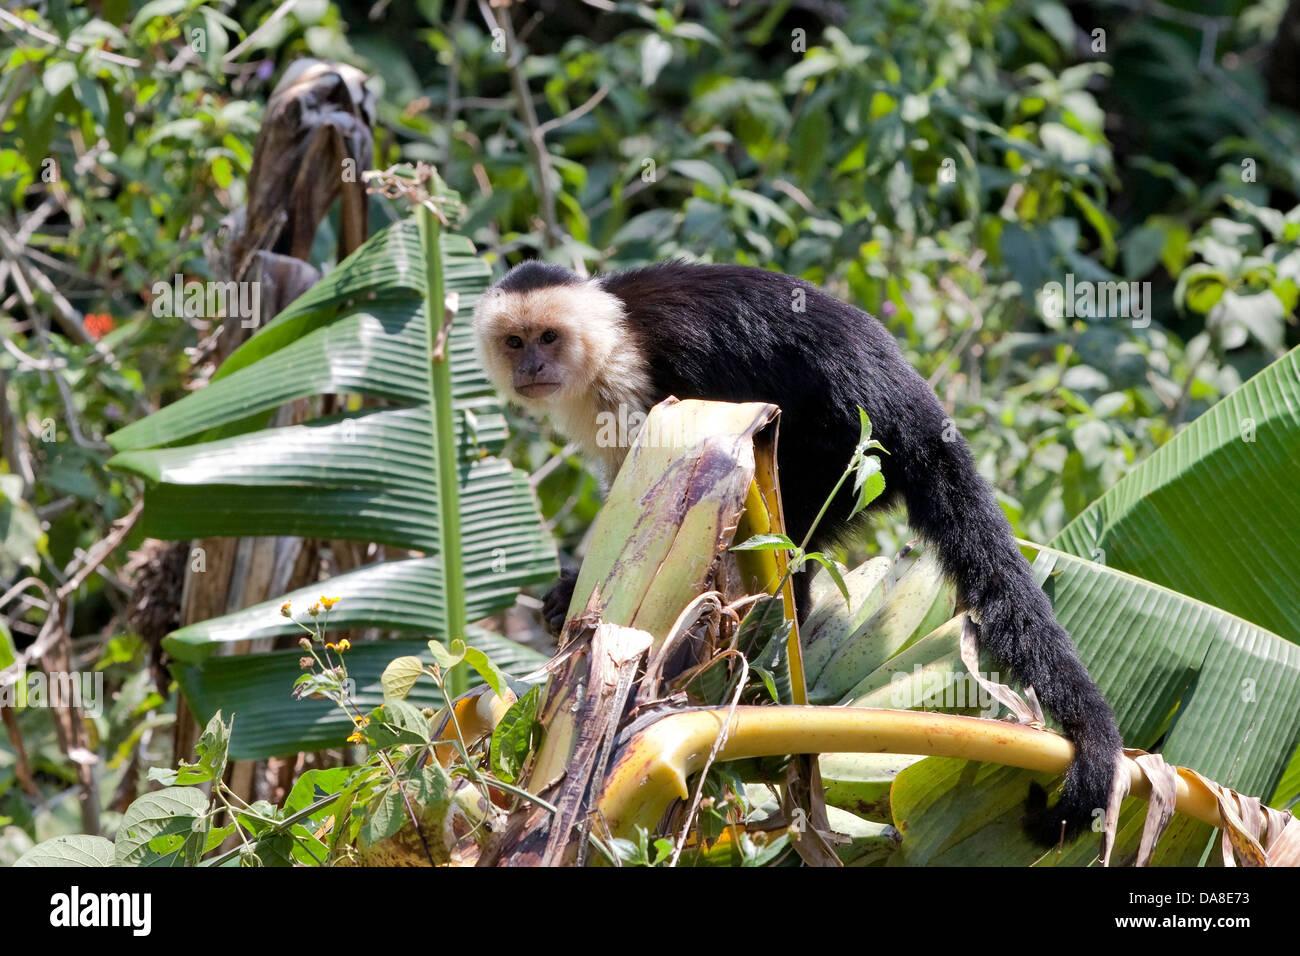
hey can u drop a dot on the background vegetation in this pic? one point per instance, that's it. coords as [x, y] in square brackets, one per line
[936, 163]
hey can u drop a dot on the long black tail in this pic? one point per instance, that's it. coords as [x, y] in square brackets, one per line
[954, 509]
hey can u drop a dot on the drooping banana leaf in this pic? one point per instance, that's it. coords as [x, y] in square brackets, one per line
[368, 474]
[1219, 694]
[1215, 513]
[360, 330]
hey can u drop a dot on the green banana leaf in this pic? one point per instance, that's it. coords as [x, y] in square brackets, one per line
[1215, 513]
[367, 475]
[1219, 695]
[470, 520]
[1209, 687]
[360, 330]
[1216, 693]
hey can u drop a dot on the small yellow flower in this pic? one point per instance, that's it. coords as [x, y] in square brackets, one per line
[331, 647]
[361, 721]
[284, 610]
[329, 602]
[344, 645]
[314, 610]
[355, 737]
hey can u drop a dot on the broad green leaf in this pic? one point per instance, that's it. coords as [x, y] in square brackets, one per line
[21, 537]
[766, 210]
[491, 674]
[385, 816]
[1219, 695]
[1223, 692]
[70, 850]
[765, 542]
[395, 595]
[396, 722]
[701, 172]
[370, 475]
[515, 736]
[360, 330]
[1215, 513]
[157, 828]
[447, 657]
[400, 676]
[211, 748]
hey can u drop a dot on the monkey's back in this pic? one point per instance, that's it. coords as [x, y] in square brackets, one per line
[736, 333]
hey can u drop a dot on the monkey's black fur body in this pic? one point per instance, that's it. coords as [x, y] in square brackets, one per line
[735, 333]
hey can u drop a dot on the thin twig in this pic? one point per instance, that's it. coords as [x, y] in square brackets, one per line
[70, 412]
[574, 114]
[13, 438]
[68, 317]
[453, 68]
[527, 113]
[968, 335]
[559, 458]
[100, 551]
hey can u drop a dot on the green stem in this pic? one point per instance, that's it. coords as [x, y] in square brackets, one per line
[280, 826]
[446, 461]
[803, 545]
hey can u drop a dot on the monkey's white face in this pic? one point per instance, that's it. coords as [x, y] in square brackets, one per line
[546, 346]
[563, 353]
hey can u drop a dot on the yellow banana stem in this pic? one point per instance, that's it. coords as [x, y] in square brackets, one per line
[767, 568]
[654, 767]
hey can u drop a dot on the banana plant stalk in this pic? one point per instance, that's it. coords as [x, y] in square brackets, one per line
[439, 317]
[653, 768]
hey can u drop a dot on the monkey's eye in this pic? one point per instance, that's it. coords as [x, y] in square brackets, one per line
[549, 336]
[514, 342]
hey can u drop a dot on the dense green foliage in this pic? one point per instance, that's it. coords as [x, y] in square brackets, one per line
[939, 164]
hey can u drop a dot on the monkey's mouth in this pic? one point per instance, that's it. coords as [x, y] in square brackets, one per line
[537, 389]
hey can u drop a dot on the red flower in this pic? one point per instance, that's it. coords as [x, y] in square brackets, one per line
[97, 325]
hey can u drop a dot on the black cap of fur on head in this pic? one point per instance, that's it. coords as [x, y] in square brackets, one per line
[535, 274]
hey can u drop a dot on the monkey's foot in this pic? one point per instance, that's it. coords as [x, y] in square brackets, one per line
[556, 603]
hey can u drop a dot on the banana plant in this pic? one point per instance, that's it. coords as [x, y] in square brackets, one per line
[419, 474]
[1213, 692]
[1138, 580]
[1159, 656]
[1214, 513]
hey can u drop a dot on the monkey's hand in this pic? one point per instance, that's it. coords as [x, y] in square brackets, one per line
[556, 603]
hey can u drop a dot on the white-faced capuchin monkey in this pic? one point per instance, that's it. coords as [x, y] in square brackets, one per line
[569, 348]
